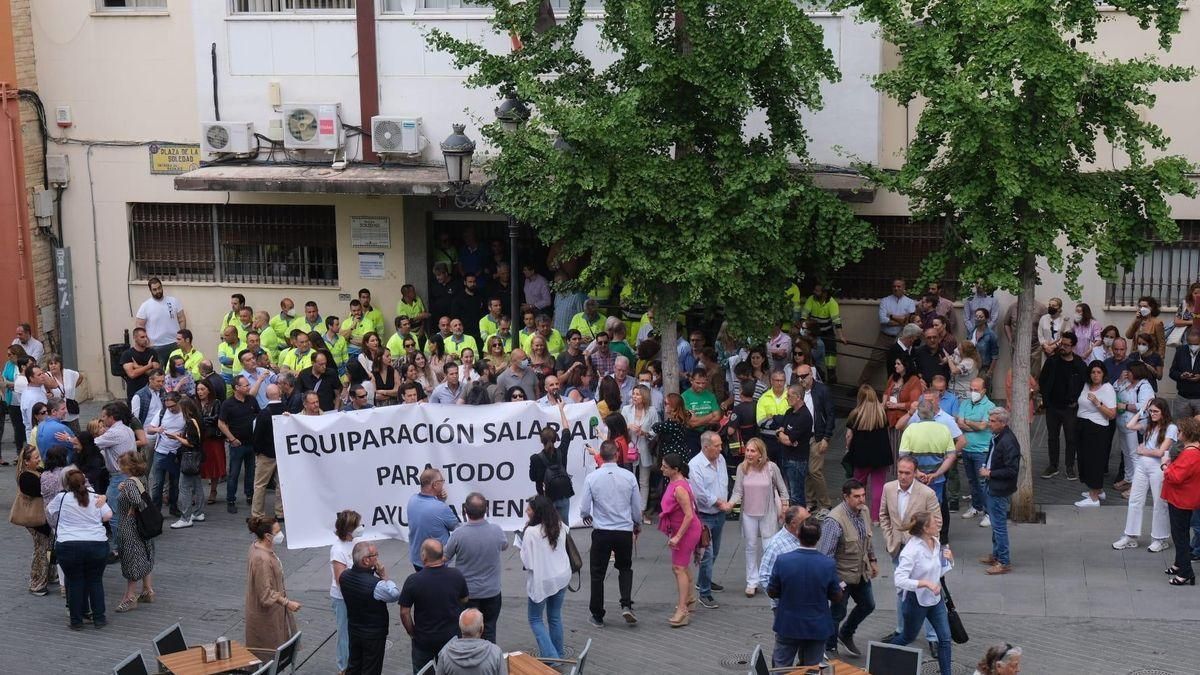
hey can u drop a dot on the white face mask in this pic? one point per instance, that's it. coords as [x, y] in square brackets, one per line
[1078, 317]
[1144, 311]
[1108, 342]
[976, 396]
[1142, 349]
[1194, 348]
[358, 531]
[278, 538]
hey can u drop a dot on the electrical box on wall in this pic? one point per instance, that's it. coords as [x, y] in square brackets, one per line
[62, 116]
[43, 203]
[58, 171]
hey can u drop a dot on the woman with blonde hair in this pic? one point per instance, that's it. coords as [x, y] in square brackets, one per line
[30, 512]
[494, 354]
[868, 449]
[763, 494]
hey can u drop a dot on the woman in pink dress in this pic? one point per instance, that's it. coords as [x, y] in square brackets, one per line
[682, 527]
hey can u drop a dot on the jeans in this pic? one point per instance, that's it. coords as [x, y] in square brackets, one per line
[264, 468]
[914, 614]
[714, 521]
[191, 496]
[997, 512]
[794, 473]
[864, 604]
[787, 649]
[490, 608]
[1180, 522]
[166, 467]
[83, 564]
[548, 633]
[563, 506]
[1060, 419]
[929, 634]
[343, 632]
[972, 462]
[113, 492]
[241, 460]
[619, 543]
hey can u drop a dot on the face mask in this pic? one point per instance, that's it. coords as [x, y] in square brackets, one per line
[1108, 342]
[976, 396]
[1142, 349]
[1078, 317]
[803, 331]
[1052, 311]
[1194, 348]
[180, 370]
[289, 313]
[358, 531]
[524, 364]
[1144, 311]
[278, 538]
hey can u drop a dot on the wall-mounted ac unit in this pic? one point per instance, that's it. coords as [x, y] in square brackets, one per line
[396, 135]
[227, 137]
[312, 126]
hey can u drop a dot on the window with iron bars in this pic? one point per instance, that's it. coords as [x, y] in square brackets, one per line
[235, 243]
[1163, 273]
[292, 6]
[903, 246]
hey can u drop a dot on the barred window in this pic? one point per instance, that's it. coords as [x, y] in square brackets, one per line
[292, 6]
[1163, 273]
[903, 246]
[561, 7]
[130, 5]
[235, 243]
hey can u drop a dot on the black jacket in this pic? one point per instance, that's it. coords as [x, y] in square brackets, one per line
[366, 616]
[1184, 362]
[264, 429]
[929, 363]
[1005, 458]
[823, 415]
[1061, 381]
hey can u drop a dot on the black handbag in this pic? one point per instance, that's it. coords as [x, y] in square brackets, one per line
[958, 632]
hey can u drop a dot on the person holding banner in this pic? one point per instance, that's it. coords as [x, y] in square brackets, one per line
[548, 468]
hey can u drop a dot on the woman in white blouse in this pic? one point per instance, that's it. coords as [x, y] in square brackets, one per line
[1097, 408]
[640, 418]
[78, 516]
[1158, 434]
[923, 563]
[66, 382]
[547, 573]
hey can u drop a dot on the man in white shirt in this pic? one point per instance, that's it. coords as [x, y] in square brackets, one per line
[612, 506]
[162, 317]
[901, 499]
[166, 453]
[32, 346]
[35, 392]
[709, 481]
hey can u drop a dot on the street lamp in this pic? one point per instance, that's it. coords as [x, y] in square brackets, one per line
[458, 151]
[511, 113]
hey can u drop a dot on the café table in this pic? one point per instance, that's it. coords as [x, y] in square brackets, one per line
[520, 663]
[191, 661]
[839, 668]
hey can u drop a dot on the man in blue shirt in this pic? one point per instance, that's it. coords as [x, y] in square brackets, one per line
[804, 582]
[612, 506]
[894, 311]
[709, 480]
[1119, 361]
[52, 425]
[428, 515]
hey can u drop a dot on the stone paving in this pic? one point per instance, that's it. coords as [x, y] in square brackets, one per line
[1074, 604]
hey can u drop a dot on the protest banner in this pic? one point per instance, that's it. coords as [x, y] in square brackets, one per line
[371, 460]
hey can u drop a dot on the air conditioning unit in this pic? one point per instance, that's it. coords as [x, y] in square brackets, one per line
[396, 135]
[312, 126]
[218, 138]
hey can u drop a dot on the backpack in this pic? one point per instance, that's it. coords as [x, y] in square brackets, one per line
[576, 562]
[149, 520]
[557, 480]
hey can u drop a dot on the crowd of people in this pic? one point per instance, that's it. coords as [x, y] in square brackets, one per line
[746, 438]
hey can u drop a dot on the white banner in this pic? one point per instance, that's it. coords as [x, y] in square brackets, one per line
[370, 461]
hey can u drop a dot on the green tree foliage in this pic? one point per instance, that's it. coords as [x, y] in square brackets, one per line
[1014, 100]
[654, 179]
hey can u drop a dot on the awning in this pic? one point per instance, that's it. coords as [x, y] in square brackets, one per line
[361, 179]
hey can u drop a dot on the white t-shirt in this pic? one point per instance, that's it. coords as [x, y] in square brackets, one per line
[1154, 439]
[1107, 397]
[339, 552]
[162, 319]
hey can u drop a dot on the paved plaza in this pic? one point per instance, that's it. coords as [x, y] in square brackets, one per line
[1072, 603]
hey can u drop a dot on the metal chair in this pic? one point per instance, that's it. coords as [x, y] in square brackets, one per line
[170, 641]
[759, 665]
[576, 664]
[428, 669]
[267, 669]
[132, 665]
[285, 655]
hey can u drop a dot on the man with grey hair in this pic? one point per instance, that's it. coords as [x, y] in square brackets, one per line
[622, 378]
[293, 398]
[612, 506]
[475, 550]
[367, 591]
[470, 654]
[709, 480]
[1000, 471]
[435, 595]
[785, 540]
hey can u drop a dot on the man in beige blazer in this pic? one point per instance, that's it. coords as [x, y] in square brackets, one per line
[902, 498]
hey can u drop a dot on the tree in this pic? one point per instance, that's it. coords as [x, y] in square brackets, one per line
[644, 166]
[1005, 152]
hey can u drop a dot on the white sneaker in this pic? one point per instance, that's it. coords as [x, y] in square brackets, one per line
[1125, 542]
[1087, 502]
[985, 521]
[1103, 495]
[199, 517]
[969, 513]
[1158, 545]
[181, 523]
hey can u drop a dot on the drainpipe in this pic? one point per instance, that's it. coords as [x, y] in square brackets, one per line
[368, 73]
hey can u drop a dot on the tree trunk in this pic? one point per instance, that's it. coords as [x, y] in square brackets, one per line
[1024, 510]
[667, 328]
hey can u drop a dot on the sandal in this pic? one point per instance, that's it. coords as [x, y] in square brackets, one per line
[147, 596]
[679, 619]
[1182, 581]
[127, 605]
[212, 500]
[1171, 571]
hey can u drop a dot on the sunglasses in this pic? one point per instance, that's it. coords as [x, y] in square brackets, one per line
[601, 342]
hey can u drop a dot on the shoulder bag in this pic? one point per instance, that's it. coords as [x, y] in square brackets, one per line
[958, 632]
[190, 459]
[576, 562]
[27, 511]
[149, 520]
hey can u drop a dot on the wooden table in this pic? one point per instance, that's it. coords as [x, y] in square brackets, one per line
[520, 663]
[839, 668]
[191, 661]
